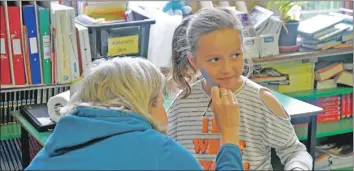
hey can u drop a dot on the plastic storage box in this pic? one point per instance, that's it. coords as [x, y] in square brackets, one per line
[126, 38]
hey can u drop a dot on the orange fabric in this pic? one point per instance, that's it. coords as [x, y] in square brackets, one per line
[214, 128]
[206, 164]
[213, 165]
[205, 125]
[200, 146]
[246, 166]
[214, 146]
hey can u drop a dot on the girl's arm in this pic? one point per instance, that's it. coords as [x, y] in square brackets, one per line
[282, 137]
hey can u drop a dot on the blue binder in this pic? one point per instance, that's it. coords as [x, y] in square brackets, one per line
[29, 19]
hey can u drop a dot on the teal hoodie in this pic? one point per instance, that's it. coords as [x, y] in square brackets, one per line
[106, 139]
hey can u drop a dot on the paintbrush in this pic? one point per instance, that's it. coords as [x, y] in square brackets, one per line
[205, 75]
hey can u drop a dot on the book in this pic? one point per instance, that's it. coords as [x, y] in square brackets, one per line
[44, 31]
[326, 84]
[268, 75]
[329, 71]
[337, 29]
[317, 25]
[322, 46]
[345, 78]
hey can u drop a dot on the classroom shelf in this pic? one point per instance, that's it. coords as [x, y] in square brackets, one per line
[10, 131]
[13, 88]
[346, 168]
[326, 129]
[303, 55]
[313, 94]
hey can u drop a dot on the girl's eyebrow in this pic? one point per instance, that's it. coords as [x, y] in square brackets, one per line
[212, 56]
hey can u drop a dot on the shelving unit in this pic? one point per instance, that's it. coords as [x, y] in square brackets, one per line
[326, 129]
[323, 129]
[304, 54]
[313, 94]
[14, 88]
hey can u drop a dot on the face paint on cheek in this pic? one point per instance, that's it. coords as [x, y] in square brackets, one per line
[206, 77]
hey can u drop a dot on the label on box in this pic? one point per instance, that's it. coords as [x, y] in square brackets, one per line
[123, 45]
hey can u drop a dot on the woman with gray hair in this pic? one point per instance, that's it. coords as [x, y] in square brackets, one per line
[116, 121]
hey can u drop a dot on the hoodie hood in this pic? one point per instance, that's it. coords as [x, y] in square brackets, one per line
[87, 125]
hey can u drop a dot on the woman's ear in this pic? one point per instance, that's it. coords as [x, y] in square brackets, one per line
[191, 60]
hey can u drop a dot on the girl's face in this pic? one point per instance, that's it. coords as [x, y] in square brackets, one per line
[219, 54]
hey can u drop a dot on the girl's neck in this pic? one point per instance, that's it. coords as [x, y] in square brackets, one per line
[207, 87]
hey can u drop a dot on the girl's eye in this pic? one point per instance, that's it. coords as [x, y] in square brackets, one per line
[213, 60]
[235, 55]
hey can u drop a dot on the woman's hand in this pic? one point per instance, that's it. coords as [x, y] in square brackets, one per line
[227, 114]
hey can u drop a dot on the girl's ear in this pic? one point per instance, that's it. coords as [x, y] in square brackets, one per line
[191, 60]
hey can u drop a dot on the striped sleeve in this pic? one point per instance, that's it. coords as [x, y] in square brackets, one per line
[283, 139]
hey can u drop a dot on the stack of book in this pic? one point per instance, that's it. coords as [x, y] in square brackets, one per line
[286, 77]
[326, 31]
[333, 75]
[40, 44]
[270, 76]
[334, 107]
[335, 153]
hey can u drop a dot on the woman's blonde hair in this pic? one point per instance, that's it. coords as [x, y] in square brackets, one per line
[124, 83]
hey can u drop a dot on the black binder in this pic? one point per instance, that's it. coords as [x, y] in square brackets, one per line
[38, 116]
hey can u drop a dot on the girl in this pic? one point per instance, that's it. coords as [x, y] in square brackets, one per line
[215, 49]
[113, 123]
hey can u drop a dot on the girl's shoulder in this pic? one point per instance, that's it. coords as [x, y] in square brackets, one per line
[266, 98]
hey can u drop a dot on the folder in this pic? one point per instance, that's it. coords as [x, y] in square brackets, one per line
[4, 50]
[29, 17]
[34, 3]
[26, 56]
[72, 44]
[62, 58]
[78, 50]
[18, 64]
[84, 47]
[44, 32]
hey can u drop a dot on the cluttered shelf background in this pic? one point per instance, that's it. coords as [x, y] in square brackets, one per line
[317, 70]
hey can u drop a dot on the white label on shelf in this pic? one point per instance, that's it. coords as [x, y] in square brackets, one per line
[46, 47]
[33, 45]
[2, 48]
[16, 44]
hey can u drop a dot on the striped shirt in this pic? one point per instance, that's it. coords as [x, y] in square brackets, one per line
[260, 129]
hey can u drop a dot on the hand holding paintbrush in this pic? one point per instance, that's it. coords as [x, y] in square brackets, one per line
[227, 114]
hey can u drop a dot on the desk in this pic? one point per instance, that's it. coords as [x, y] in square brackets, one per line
[300, 112]
[28, 128]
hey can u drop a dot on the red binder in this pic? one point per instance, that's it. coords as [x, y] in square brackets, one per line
[16, 45]
[5, 78]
